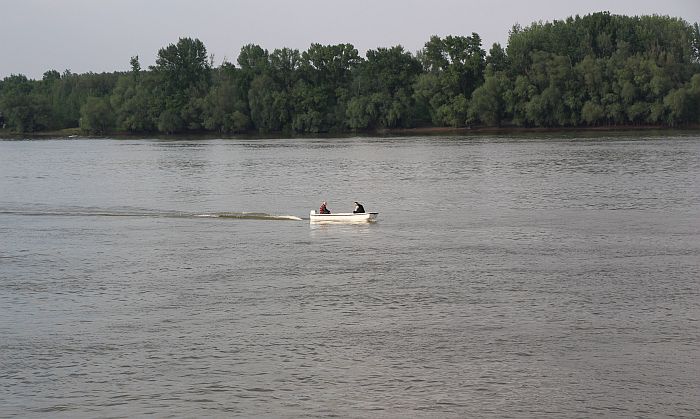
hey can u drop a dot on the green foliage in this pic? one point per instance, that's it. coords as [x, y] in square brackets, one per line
[592, 112]
[497, 60]
[16, 107]
[51, 76]
[601, 69]
[488, 103]
[270, 90]
[170, 122]
[225, 107]
[321, 93]
[183, 66]
[135, 65]
[682, 105]
[308, 102]
[135, 103]
[268, 104]
[430, 96]
[381, 93]
[96, 116]
[454, 68]
[23, 109]
[184, 72]
[598, 69]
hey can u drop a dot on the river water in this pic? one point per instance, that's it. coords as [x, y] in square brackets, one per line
[507, 276]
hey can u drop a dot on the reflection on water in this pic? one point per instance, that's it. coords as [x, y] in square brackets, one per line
[506, 277]
[340, 229]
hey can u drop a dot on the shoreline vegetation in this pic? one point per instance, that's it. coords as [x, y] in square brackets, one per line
[69, 133]
[599, 72]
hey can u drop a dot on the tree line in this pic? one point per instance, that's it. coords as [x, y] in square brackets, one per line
[599, 69]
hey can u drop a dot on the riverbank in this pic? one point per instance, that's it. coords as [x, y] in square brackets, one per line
[420, 131]
[526, 130]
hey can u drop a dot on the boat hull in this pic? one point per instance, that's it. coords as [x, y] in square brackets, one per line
[343, 217]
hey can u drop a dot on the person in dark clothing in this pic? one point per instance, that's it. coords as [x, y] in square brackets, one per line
[359, 209]
[323, 209]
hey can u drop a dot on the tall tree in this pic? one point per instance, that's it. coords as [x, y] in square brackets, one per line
[323, 89]
[454, 69]
[382, 90]
[185, 72]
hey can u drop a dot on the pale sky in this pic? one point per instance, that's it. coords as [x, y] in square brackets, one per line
[102, 35]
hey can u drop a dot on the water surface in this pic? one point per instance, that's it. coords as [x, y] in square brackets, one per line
[507, 277]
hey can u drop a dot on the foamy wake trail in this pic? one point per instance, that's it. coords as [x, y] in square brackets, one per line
[39, 210]
[249, 216]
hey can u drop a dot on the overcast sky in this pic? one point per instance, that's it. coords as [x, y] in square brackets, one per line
[102, 35]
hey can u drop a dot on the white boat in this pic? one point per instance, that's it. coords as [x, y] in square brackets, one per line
[343, 217]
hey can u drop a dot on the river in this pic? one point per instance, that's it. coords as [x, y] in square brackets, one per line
[507, 276]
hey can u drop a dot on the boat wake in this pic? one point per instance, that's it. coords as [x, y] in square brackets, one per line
[249, 216]
[136, 212]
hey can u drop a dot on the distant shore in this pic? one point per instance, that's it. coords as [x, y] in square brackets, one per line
[525, 130]
[420, 131]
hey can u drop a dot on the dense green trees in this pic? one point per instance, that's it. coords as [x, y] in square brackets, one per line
[225, 108]
[22, 108]
[599, 69]
[381, 95]
[453, 69]
[96, 115]
[602, 69]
